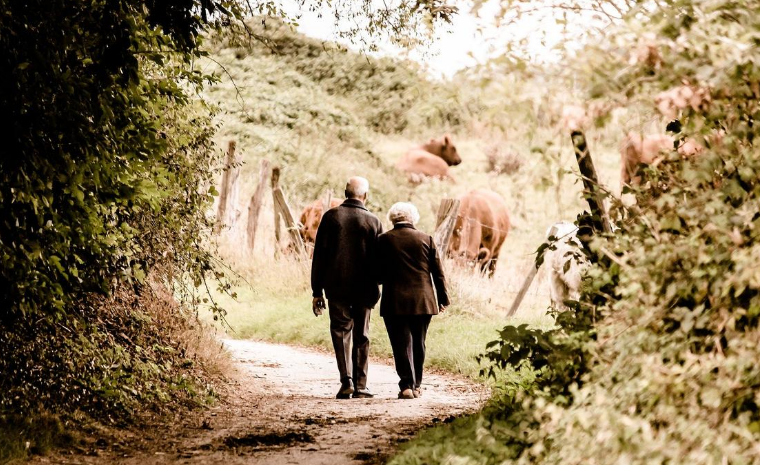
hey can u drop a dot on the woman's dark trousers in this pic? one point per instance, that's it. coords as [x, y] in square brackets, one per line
[407, 334]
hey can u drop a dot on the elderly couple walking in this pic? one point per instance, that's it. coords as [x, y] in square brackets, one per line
[352, 257]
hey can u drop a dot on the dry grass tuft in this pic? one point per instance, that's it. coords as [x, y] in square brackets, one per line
[500, 160]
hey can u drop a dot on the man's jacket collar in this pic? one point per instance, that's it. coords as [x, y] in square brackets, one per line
[354, 203]
[403, 225]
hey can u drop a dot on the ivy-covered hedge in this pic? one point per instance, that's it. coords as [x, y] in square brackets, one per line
[104, 174]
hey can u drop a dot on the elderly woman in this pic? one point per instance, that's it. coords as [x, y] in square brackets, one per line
[414, 289]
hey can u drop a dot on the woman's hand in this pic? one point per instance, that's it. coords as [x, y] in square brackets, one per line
[441, 308]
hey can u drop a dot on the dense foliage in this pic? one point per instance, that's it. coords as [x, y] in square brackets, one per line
[657, 361]
[106, 162]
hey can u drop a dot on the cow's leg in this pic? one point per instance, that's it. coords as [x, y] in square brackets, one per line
[494, 258]
[492, 266]
[572, 280]
[557, 288]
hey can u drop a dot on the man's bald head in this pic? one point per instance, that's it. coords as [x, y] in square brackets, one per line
[357, 188]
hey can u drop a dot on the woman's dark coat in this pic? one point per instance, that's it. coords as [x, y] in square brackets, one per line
[410, 271]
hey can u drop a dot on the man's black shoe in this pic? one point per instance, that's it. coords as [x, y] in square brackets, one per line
[346, 389]
[363, 393]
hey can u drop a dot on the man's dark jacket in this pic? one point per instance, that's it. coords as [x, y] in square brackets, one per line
[344, 255]
[407, 260]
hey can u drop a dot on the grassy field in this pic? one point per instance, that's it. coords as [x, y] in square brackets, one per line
[324, 115]
[274, 304]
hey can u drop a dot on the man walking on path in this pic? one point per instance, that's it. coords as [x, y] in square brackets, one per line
[342, 267]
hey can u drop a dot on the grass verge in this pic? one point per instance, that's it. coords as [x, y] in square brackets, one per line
[275, 305]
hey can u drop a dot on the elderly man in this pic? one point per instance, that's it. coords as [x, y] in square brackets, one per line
[414, 289]
[344, 257]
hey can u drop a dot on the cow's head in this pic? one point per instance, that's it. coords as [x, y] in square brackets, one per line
[445, 149]
[466, 247]
[449, 152]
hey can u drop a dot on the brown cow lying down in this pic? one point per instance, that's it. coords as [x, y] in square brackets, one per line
[430, 160]
[311, 216]
[636, 151]
[481, 227]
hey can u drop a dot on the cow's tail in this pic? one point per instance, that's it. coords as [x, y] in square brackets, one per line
[484, 256]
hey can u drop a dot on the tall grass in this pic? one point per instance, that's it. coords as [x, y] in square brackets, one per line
[273, 303]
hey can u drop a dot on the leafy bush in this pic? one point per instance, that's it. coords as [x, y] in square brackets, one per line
[391, 96]
[101, 204]
[656, 362]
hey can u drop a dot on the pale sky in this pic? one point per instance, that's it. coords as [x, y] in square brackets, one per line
[468, 41]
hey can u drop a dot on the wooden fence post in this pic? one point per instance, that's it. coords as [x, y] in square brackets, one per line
[590, 183]
[227, 197]
[328, 201]
[447, 218]
[255, 206]
[276, 185]
[281, 209]
[523, 290]
[527, 281]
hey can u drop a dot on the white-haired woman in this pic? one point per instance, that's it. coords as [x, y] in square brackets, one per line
[414, 289]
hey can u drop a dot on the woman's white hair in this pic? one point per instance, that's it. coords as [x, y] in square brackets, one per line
[403, 212]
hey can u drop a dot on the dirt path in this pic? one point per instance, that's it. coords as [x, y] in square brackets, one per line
[281, 410]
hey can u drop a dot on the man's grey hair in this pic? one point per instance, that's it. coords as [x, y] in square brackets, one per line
[403, 212]
[356, 187]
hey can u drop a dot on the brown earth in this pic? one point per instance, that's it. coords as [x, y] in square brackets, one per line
[279, 408]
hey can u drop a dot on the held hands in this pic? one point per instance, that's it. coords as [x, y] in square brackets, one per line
[441, 308]
[317, 305]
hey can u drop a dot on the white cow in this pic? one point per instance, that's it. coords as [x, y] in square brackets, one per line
[564, 282]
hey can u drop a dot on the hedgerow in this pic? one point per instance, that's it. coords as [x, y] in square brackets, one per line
[656, 362]
[106, 161]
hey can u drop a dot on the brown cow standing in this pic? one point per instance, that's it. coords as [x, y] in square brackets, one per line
[482, 226]
[311, 216]
[430, 160]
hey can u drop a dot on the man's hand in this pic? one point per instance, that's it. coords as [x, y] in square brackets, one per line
[317, 305]
[441, 308]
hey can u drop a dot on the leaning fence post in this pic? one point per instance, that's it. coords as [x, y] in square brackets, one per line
[447, 218]
[255, 206]
[590, 182]
[523, 290]
[281, 209]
